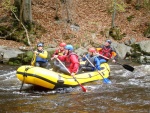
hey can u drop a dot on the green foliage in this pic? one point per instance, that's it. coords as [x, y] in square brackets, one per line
[3, 31]
[129, 18]
[146, 4]
[14, 61]
[138, 7]
[7, 5]
[147, 32]
[76, 46]
[120, 6]
[136, 47]
[115, 33]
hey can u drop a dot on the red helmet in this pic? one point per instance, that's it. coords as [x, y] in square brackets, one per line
[62, 44]
[92, 50]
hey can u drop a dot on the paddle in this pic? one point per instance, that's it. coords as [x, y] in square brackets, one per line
[24, 75]
[22, 83]
[83, 88]
[128, 67]
[106, 80]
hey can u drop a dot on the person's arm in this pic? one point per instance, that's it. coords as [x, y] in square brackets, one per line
[113, 56]
[83, 58]
[43, 55]
[62, 58]
[55, 53]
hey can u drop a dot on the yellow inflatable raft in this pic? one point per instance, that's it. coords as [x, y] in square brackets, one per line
[50, 79]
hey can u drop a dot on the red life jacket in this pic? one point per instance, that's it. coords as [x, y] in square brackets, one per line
[106, 51]
[68, 62]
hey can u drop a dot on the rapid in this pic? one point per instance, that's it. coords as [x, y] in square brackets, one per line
[129, 92]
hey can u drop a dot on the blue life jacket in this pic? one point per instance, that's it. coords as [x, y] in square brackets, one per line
[39, 59]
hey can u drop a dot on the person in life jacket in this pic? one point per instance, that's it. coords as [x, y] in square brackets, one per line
[93, 59]
[70, 60]
[60, 51]
[106, 52]
[40, 57]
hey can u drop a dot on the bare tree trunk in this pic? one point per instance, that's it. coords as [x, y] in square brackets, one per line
[24, 15]
[21, 12]
[17, 4]
[114, 14]
[24, 12]
[138, 2]
[57, 7]
[27, 13]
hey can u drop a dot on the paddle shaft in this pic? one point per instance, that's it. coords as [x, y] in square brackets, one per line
[93, 66]
[83, 88]
[130, 68]
[22, 83]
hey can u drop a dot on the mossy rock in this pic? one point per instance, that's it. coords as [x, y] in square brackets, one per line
[50, 53]
[76, 46]
[147, 32]
[14, 62]
[29, 54]
[10, 63]
[27, 57]
[136, 47]
[115, 33]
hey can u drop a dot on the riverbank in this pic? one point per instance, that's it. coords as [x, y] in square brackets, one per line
[132, 51]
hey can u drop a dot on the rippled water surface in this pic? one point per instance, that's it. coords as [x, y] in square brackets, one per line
[128, 93]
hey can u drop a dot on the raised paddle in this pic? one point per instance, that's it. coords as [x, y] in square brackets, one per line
[83, 88]
[106, 80]
[128, 67]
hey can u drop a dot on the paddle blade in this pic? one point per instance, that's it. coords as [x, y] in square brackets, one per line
[107, 81]
[130, 68]
[83, 88]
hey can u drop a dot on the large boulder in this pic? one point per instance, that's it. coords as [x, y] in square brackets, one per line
[145, 46]
[81, 51]
[145, 50]
[121, 49]
[9, 53]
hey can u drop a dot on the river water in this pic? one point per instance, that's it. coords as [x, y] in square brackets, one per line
[128, 93]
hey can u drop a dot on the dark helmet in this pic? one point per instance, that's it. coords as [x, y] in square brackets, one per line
[92, 50]
[62, 44]
[109, 41]
[69, 47]
[40, 44]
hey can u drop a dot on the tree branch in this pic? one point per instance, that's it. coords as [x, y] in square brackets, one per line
[8, 34]
[29, 43]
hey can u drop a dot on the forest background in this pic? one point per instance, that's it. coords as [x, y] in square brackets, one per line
[78, 22]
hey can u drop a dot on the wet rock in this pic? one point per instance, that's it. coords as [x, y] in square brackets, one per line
[9, 53]
[80, 51]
